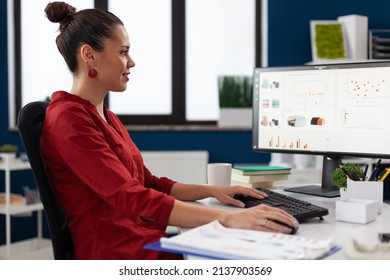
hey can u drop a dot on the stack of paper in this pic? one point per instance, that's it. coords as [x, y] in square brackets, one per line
[215, 241]
[259, 176]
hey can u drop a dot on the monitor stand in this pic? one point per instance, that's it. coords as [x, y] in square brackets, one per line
[326, 189]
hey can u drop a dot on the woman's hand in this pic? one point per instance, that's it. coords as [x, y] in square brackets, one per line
[261, 217]
[226, 194]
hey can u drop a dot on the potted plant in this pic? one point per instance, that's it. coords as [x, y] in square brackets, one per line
[235, 100]
[338, 177]
[8, 150]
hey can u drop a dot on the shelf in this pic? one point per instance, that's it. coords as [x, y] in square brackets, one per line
[14, 164]
[29, 249]
[20, 209]
[8, 163]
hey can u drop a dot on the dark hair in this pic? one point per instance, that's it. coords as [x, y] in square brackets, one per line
[89, 26]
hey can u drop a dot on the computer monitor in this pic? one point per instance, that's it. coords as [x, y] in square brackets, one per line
[334, 110]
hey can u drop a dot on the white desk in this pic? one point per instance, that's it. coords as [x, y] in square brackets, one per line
[329, 227]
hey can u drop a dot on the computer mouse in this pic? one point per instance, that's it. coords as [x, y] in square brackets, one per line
[293, 230]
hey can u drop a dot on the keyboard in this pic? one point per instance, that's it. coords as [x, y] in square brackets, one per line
[301, 210]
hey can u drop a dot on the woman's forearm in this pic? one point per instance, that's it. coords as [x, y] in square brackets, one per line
[189, 215]
[187, 192]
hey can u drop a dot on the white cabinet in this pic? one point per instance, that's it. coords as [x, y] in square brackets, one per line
[8, 164]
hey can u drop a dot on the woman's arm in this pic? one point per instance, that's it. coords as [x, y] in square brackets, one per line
[261, 217]
[187, 192]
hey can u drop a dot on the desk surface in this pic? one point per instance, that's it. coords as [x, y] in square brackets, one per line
[341, 232]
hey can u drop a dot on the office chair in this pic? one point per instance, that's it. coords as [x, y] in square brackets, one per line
[30, 121]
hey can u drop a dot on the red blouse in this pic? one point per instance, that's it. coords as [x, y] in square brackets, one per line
[113, 204]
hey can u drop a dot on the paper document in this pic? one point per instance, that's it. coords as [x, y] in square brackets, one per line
[217, 241]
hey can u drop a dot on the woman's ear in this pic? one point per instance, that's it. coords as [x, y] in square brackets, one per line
[87, 54]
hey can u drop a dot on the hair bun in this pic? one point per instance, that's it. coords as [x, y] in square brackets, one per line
[60, 12]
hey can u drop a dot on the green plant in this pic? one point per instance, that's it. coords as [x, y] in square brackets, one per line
[8, 148]
[338, 177]
[235, 91]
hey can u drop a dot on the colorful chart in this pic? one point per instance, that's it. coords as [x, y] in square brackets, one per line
[276, 142]
[317, 121]
[369, 88]
[296, 121]
[266, 84]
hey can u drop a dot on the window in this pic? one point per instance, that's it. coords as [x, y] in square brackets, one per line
[219, 42]
[149, 90]
[149, 94]
[180, 47]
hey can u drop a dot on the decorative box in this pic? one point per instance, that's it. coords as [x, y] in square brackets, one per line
[356, 210]
[366, 190]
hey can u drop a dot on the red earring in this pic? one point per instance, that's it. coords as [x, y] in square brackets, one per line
[92, 73]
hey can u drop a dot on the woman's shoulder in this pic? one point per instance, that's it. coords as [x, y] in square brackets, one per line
[66, 107]
[62, 97]
[64, 101]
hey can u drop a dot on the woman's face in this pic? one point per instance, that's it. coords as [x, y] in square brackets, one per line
[114, 62]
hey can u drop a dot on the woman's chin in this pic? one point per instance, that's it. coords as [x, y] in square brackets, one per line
[119, 89]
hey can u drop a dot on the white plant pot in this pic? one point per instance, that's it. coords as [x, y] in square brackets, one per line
[343, 193]
[10, 156]
[241, 117]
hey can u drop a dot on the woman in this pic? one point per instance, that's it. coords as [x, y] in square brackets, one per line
[113, 204]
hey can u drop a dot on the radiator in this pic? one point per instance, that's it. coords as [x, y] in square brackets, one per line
[180, 166]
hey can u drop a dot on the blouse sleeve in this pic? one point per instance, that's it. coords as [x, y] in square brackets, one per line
[162, 184]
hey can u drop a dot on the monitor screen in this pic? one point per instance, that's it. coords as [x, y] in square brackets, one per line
[332, 110]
